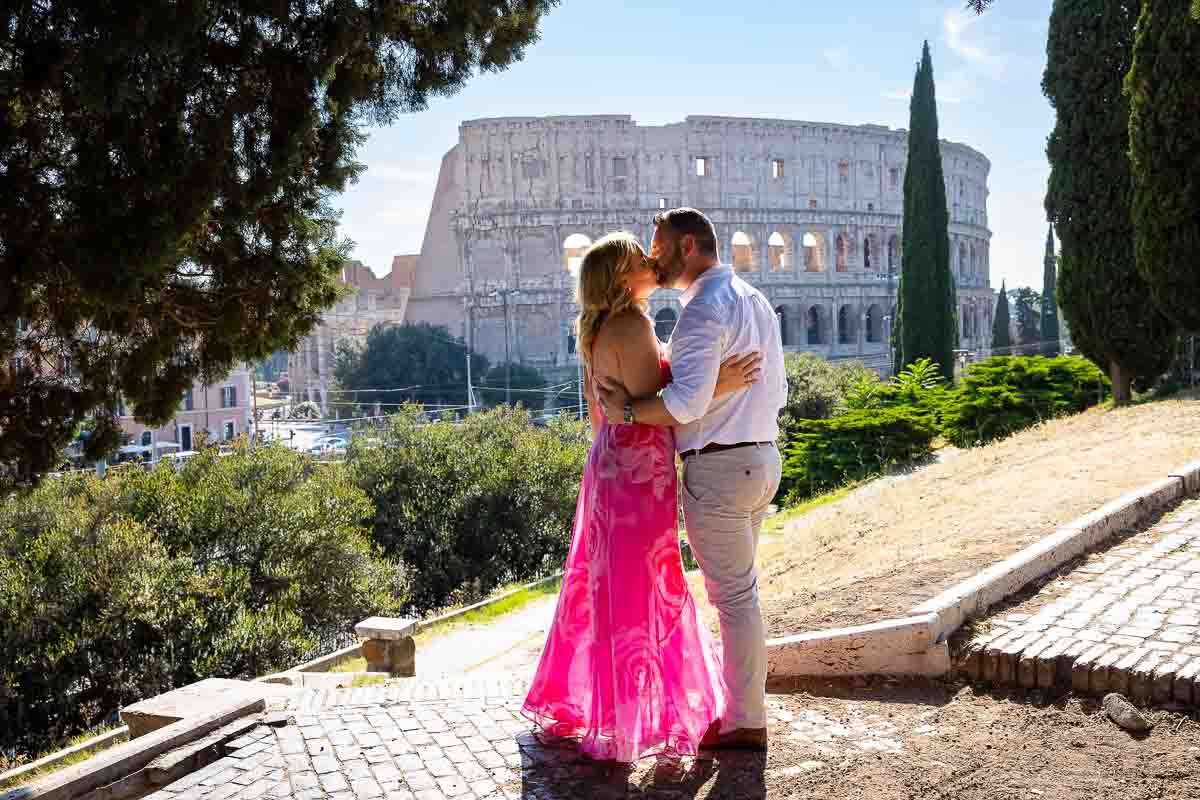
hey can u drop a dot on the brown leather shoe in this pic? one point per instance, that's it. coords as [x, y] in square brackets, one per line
[736, 739]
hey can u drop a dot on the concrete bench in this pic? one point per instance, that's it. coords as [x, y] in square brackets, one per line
[388, 645]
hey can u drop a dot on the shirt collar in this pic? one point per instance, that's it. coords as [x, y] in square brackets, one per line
[707, 275]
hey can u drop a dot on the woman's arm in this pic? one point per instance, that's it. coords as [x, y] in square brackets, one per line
[737, 373]
[589, 392]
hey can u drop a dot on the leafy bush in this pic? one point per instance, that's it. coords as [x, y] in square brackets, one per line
[818, 388]
[1005, 394]
[918, 387]
[826, 454]
[115, 590]
[471, 505]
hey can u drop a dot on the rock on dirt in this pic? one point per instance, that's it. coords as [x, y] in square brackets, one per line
[1123, 713]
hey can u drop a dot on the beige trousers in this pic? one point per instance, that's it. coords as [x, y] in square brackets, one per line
[725, 497]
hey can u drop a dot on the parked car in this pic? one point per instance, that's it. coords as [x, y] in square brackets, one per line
[334, 445]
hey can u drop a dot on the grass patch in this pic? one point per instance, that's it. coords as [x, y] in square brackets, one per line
[516, 600]
[480, 616]
[367, 680]
[38, 774]
[777, 522]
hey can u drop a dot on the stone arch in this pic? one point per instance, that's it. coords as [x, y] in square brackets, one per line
[784, 328]
[847, 325]
[779, 252]
[870, 251]
[814, 251]
[874, 323]
[843, 252]
[574, 246]
[816, 324]
[962, 258]
[742, 252]
[971, 264]
[893, 253]
[664, 323]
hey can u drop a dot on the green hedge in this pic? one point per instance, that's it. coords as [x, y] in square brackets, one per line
[826, 454]
[116, 590]
[1005, 394]
[471, 505]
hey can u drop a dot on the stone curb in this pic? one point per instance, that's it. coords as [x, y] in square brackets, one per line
[124, 760]
[100, 742]
[895, 646]
[974, 596]
[917, 645]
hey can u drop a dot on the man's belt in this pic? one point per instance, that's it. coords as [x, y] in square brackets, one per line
[716, 448]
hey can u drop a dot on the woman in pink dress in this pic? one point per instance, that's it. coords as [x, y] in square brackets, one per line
[628, 670]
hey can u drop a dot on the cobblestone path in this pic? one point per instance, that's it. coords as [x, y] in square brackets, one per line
[1126, 620]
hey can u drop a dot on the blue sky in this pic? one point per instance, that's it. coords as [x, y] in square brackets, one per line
[658, 61]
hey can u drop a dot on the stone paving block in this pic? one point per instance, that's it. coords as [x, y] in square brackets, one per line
[1028, 660]
[419, 781]
[1047, 662]
[366, 788]
[1163, 679]
[334, 782]
[1081, 670]
[1186, 679]
[1141, 677]
[1098, 681]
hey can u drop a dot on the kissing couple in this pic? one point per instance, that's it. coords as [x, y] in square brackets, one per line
[628, 669]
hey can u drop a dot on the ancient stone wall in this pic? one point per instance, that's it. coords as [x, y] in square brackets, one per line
[810, 212]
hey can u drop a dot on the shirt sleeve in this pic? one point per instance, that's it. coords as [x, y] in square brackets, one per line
[696, 348]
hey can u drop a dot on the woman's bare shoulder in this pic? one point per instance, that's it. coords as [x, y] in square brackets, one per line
[628, 326]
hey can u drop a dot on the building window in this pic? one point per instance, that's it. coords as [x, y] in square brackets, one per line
[618, 167]
[703, 167]
[844, 171]
[664, 324]
[777, 168]
[230, 431]
[228, 396]
[662, 202]
[894, 177]
[146, 438]
[812, 202]
[870, 206]
[188, 401]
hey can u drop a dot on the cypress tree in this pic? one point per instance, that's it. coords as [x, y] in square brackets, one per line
[1050, 332]
[1001, 338]
[1104, 299]
[926, 322]
[1164, 96]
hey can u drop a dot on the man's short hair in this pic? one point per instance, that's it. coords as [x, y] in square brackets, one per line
[682, 222]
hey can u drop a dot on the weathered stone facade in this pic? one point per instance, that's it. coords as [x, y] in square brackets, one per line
[809, 212]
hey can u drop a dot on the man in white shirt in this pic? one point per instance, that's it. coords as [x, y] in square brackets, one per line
[731, 467]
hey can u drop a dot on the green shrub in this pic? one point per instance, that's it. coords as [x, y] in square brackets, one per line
[818, 388]
[116, 590]
[1005, 394]
[826, 454]
[471, 505]
[918, 387]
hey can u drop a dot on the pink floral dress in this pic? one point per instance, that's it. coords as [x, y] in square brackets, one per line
[628, 670]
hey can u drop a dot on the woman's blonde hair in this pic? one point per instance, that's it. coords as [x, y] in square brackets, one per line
[601, 291]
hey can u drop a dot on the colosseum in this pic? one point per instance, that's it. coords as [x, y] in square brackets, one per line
[809, 212]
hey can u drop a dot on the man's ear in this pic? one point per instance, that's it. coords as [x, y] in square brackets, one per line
[687, 245]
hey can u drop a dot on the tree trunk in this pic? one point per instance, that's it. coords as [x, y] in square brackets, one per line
[1121, 380]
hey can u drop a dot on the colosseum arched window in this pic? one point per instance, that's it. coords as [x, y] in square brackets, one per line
[874, 323]
[870, 251]
[815, 319]
[574, 246]
[847, 329]
[843, 252]
[962, 258]
[970, 270]
[743, 252]
[779, 253]
[893, 253]
[814, 251]
[781, 315]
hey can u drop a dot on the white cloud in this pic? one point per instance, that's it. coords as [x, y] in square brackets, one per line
[953, 88]
[836, 57]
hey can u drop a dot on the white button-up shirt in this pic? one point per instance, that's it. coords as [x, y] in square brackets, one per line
[724, 316]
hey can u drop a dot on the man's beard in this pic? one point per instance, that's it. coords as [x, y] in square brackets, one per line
[668, 267]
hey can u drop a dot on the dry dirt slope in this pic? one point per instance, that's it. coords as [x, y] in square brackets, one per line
[875, 555]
